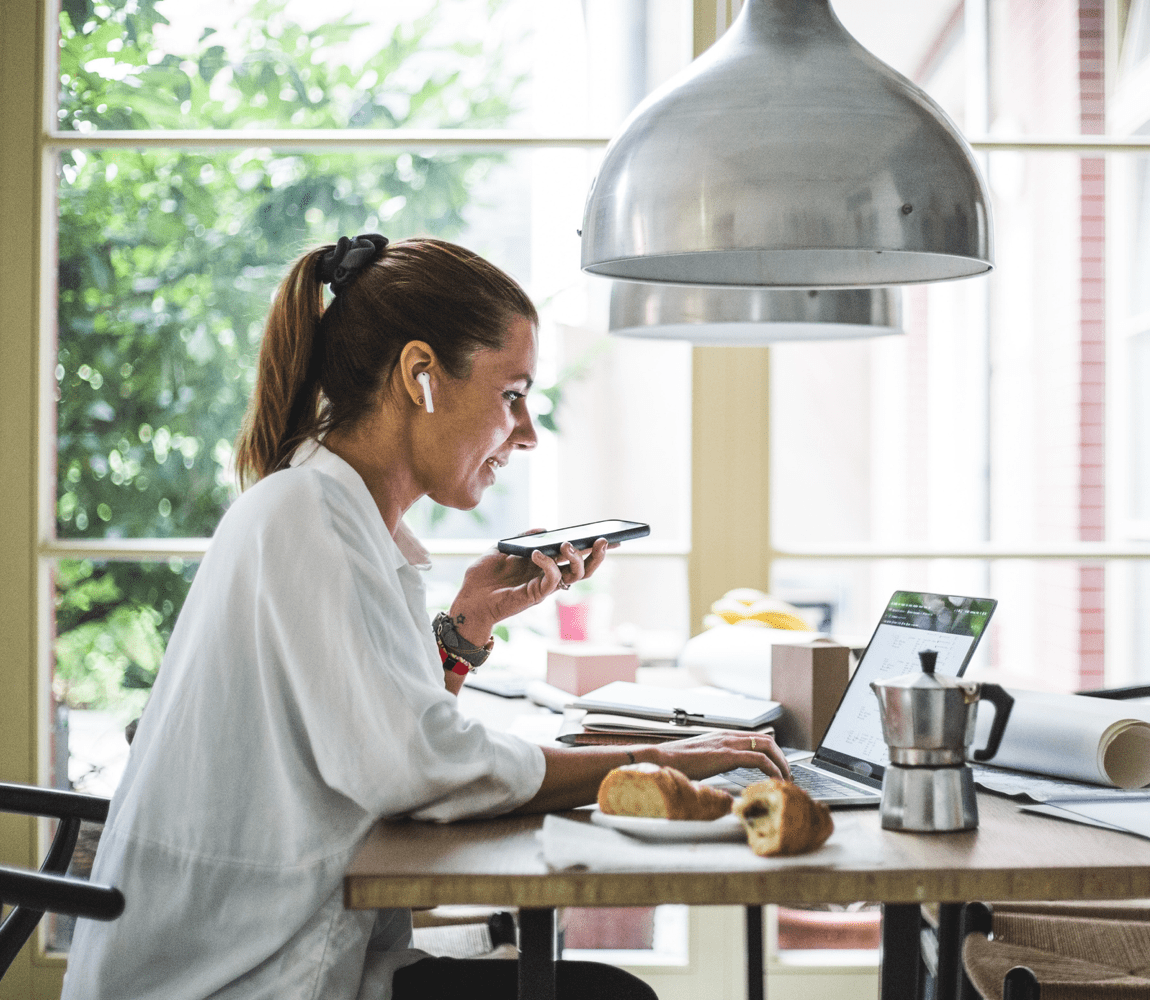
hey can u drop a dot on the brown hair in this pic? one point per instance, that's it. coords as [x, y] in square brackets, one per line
[320, 369]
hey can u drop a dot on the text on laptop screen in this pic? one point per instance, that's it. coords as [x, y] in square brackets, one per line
[912, 622]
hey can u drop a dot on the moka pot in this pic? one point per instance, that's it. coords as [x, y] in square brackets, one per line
[928, 724]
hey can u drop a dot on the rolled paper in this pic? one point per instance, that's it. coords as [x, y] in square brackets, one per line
[1099, 740]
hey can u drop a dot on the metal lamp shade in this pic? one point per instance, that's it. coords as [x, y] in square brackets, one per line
[788, 156]
[747, 316]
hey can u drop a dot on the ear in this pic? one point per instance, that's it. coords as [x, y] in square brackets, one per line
[415, 358]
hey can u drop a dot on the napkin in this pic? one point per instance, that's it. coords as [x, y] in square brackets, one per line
[569, 844]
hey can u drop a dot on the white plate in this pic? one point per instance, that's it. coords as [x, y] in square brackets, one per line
[672, 830]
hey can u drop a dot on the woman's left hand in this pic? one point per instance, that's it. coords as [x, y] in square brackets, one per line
[498, 586]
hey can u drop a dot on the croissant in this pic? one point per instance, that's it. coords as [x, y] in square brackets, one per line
[780, 818]
[663, 792]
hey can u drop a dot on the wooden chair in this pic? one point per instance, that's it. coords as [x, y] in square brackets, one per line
[32, 894]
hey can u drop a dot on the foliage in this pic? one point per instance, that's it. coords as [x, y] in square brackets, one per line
[107, 645]
[168, 259]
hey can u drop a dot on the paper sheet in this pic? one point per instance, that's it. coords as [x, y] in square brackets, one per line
[1070, 736]
[1127, 815]
[570, 844]
[1029, 787]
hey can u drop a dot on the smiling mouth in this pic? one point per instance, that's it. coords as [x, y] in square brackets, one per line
[495, 463]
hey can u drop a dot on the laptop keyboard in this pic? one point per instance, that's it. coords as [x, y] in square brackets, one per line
[811, 780]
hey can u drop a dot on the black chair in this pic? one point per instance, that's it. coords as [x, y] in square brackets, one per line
[32, 894]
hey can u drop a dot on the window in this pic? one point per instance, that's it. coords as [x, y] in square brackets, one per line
[191, 152]
[999, 446]
[196, 153]
[1031, 379]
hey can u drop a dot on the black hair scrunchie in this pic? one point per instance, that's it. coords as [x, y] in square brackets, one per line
[340, 267]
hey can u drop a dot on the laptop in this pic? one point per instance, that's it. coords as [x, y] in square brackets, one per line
[847, 767]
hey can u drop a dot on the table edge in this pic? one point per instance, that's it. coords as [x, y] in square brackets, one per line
[781, 885]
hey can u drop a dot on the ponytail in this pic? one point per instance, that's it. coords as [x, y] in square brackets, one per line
[284, 409]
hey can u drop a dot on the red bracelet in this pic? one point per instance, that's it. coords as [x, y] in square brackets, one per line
[458, 666]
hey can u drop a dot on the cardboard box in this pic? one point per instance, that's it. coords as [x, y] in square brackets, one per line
[579, 667]
[808, 679]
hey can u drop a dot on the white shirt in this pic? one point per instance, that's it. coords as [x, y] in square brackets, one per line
[301, 697]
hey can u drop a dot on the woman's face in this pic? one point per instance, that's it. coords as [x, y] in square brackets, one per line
[480, 420]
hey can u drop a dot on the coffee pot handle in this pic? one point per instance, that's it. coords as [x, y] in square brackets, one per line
[1002, 703]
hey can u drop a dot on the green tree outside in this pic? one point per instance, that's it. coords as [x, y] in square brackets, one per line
[168, 260]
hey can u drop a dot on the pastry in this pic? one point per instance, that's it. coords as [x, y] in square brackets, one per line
[662, 792]
[781, 818]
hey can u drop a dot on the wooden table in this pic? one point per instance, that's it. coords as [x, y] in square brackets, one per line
[1012, 856]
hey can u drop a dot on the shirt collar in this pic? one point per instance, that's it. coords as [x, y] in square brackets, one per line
[408, 548]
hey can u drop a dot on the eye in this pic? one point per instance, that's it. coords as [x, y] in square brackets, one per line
[512, 396]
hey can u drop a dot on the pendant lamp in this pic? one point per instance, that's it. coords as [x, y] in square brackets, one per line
[748, 316]
[787, 155]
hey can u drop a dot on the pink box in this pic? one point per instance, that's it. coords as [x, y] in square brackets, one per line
[579, 667]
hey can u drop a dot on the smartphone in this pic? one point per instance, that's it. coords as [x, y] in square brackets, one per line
[582, 536]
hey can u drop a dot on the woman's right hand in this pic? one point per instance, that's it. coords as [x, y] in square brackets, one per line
[497, 586]
[573, 774]
[704, 756]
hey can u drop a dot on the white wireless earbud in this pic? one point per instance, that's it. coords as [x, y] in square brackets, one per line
[425, 380]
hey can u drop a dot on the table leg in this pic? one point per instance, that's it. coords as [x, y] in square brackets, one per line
[901, 950]
[949, 951]
[536, 954]
[756, 985]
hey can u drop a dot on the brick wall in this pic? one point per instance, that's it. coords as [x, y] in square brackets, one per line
[1091, 489]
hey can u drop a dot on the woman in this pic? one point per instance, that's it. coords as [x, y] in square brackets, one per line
[303, 694]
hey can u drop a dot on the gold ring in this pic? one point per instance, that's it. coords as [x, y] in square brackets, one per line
[752, 743]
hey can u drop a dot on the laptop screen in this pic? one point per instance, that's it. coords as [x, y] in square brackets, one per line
[911, 622]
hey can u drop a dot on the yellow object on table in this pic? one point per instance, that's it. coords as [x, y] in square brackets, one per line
[745, 606]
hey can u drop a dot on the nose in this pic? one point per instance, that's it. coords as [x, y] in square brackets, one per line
[524, 435]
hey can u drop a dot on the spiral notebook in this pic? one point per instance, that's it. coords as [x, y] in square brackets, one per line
[686, 707]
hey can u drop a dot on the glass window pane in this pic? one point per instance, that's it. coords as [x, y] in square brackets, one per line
[1044, 61]
[922, 39]
[1137, 623]
[830, 933]
[1139, 282]
[1139, 377]
[168, 261]
[984, 421]
[112, 622]
[627, 936]
[1046, 68]
[1136, 43]
[1008, 413]
[153, 65]
[562, 66]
